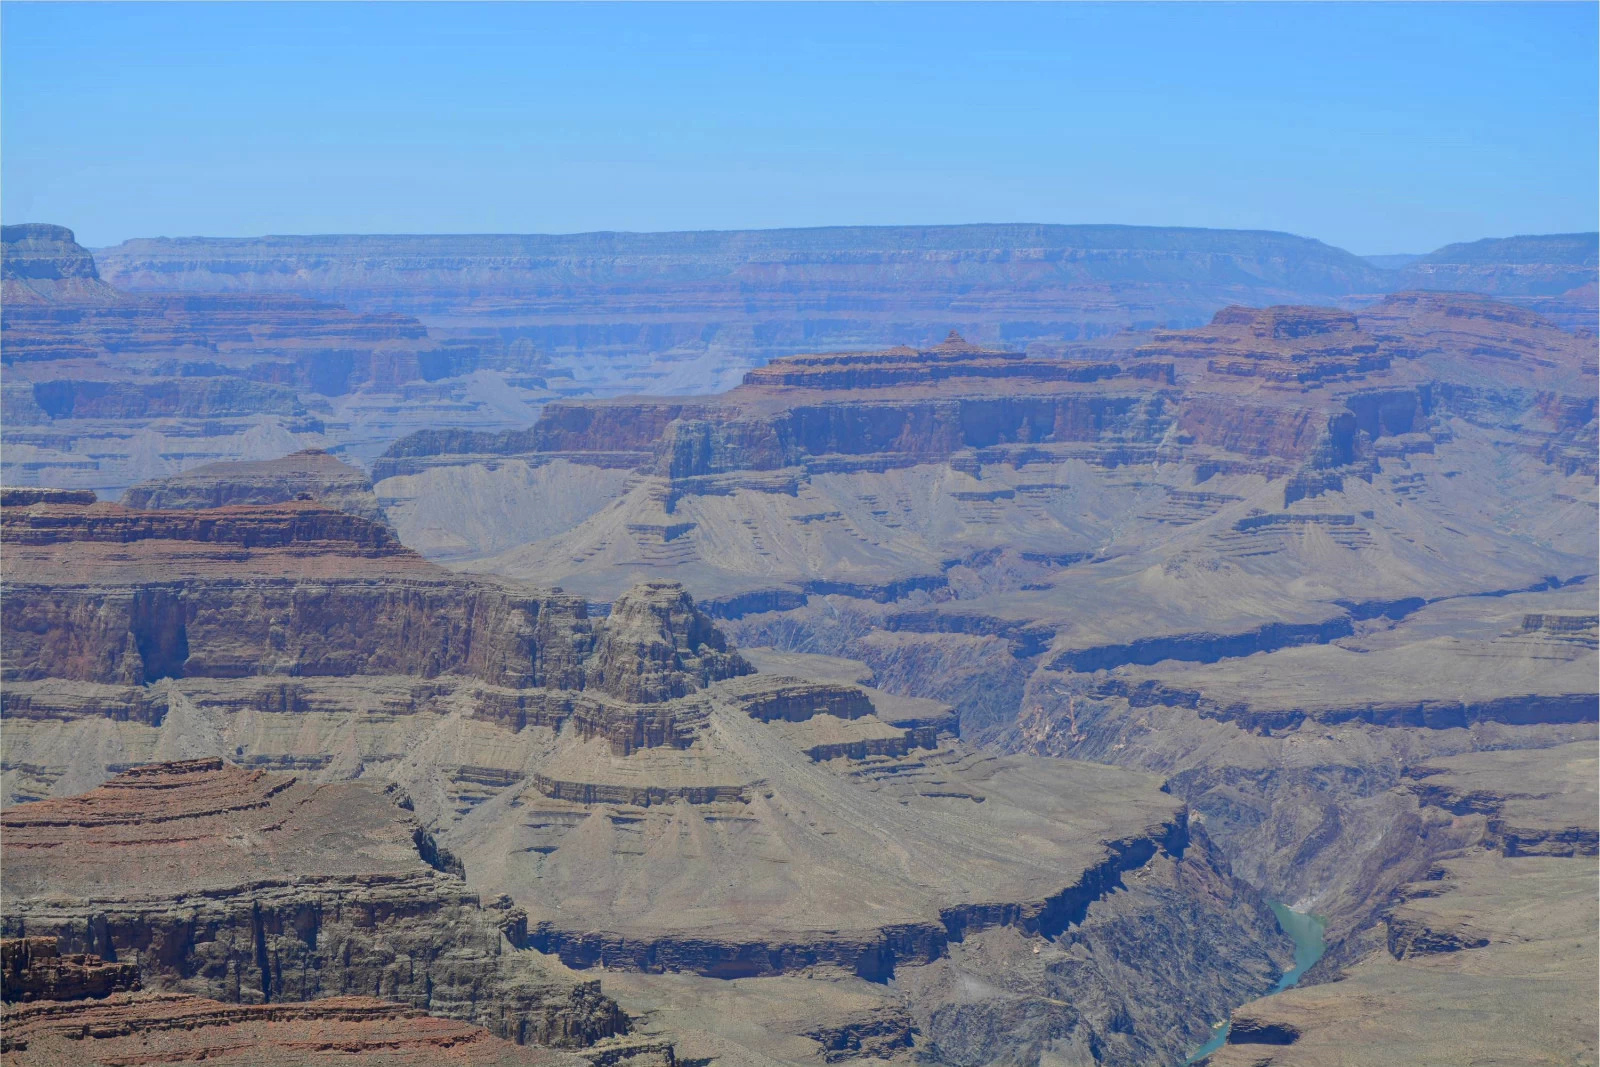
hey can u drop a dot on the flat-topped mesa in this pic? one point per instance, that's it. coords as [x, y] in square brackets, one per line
[1290, 345]
[311, 474]
[108, 594]
[895, 407]
[280, 525]
[956, 361]
[260, 888]
[41, 263]
[22, 496]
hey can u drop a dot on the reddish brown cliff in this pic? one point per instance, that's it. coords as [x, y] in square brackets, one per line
[260, 888]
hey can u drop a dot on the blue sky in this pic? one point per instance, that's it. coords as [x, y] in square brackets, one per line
[1378, 128]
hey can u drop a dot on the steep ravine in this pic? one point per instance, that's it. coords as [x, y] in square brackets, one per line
[1315, 810]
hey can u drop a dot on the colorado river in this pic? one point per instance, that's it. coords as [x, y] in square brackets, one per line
[1306, 930]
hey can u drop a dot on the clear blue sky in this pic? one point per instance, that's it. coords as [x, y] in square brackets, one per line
[1374, 127]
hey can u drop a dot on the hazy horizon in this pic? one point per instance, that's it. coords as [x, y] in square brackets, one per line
[775, 229]
[1380, 129]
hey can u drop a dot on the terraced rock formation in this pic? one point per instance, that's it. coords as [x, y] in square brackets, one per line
[258, 888]
[312, 474]
[690, 312]
[179, 1028]
[106, 388]
[77, 1009]
[1311, 586]
[876, 474]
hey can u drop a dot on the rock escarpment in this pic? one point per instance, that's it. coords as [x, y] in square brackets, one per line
[741, 297]
[311, 474]
[106, 594]
[727, 300]
[105, 388]
[77, 1009]
[179, 1028]
[255, 887]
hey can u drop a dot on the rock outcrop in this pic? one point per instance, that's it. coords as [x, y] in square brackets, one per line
[180, 1028]
[106, 594]
[311, 474]
[33, 968]
[258, 888]
[44, 264]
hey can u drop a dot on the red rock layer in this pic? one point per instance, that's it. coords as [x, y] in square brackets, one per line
[103, 593]
[154, 1028]
[251, 886]
[33, 968]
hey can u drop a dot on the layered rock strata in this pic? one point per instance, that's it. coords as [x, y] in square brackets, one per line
[678, 312]
[180, 1028]
[105, 388]
[311, 474]
[258, 888]
[105, 594]
[33, 968]
[712, 303]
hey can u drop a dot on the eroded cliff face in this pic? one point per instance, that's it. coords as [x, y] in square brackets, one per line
[105, 388]
[106, 594]
[311, 474]
[252, 887]
[751, 295]
[178, 1028]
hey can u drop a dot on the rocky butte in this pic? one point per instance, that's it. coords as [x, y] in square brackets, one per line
[375, 745]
